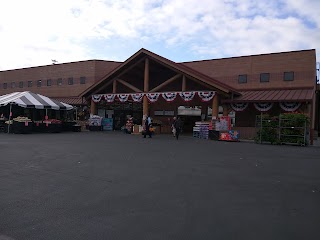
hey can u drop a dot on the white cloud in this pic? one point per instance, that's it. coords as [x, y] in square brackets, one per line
[34, 32]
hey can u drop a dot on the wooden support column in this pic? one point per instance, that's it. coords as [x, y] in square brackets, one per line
[184, 83]
[225, 110]
[215, 106]
[93, 107]
[114, 86]
[146, 87]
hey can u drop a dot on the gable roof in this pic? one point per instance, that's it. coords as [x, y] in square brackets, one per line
[142, 54]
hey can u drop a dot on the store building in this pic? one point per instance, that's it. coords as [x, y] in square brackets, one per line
[147, 83]
[244, 86]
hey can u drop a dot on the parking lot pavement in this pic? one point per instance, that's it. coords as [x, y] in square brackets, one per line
[101, 185]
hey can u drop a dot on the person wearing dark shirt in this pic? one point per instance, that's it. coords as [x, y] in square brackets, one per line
[177, 125]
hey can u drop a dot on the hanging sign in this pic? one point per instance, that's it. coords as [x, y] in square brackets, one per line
[137, 97]
[206, 96]
[239, 107]
[290, 106]
[187, 96]
[153, 97]
[96, 98]
[109, 97]
[263, 107]
[169, 96]
[123, 97]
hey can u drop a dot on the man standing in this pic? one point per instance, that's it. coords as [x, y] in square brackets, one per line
[177, 126]
[147, 127]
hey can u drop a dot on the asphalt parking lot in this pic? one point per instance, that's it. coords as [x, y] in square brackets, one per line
[103, 185]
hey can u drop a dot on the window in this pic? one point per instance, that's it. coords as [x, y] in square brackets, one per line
[70, 81]
[13, 85]
[288, 76]
[59, 81]
[49, 82]
[20, 84]
[82, 80]
[29, 83]
[5, 85]
[242, 78]
[39, 83]
[264, 77]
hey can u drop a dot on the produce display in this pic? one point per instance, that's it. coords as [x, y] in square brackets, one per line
[52, 121]
[22, 119]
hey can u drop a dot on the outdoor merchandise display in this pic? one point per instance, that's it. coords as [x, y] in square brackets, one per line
[201, 130]
[217, 129]
[95, 123]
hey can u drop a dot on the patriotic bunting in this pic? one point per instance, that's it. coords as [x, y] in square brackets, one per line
[187, 96]
[137, 97]
[169, 96]
[153, 97]
[123, 97]
[263, 107]
[239, 107]
[109, 97]
[96, 98]
[206, 96]
[289, 106]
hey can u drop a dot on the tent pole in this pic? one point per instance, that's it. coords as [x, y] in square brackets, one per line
[9, 117]
[46, 114]
[76, 113]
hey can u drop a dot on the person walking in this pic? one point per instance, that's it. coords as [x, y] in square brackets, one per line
[177, 125]
[147, 125]
[173, 127]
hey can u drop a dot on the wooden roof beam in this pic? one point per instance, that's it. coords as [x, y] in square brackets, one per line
[128, 85]
[165, 83]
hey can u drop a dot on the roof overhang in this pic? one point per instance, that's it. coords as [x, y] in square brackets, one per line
[280, 95]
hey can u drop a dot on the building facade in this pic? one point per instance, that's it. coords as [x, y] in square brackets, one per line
[244, 86]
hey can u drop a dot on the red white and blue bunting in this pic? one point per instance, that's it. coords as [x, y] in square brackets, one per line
[206, 96]
[153, 97]
[239, 107]
[123, 97]
[109, 97]
[187, 96]
[96, 98]
[137, 97]
[290, 106]
[169, 96]
[263, 107]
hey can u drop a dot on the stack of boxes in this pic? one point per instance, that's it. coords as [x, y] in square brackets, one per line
[201, 130]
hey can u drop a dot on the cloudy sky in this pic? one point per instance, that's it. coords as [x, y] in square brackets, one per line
[34, 32]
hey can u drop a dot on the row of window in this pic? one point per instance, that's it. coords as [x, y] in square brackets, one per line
[39, 83]
[265, 77]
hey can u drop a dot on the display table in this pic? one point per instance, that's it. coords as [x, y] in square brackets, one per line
[2, 125]
[95, 128]
[68, 126]
[51, 127]
[76, 128]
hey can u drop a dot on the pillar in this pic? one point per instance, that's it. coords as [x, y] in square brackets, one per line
[215, 107]
[114, 86]
[93, 107]
[184, 83]
[146, 87]
[225, 110]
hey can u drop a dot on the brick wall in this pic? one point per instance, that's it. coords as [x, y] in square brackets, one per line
[92, 70]
[227, 70]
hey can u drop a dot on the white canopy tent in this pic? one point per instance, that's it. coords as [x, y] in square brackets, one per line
[32, 100]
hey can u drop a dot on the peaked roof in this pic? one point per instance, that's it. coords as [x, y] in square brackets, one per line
[143, 53]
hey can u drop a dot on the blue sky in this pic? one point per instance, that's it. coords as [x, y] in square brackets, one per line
[35, 31]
